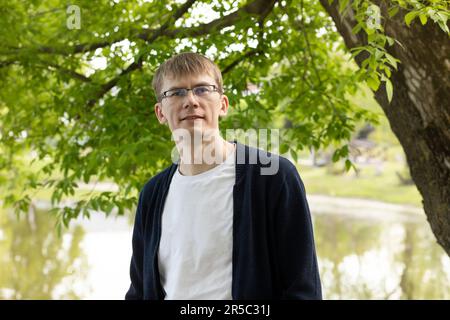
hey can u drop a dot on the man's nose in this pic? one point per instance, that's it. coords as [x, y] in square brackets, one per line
[190, 99]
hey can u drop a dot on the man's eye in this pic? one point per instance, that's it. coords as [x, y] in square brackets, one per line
[175, 93]
[201, 90]
[178, 93]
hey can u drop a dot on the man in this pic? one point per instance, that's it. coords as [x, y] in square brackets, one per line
[219, 229]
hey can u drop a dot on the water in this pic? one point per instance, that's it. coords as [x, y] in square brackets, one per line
[90, 261]
[366, 250]
[371, 250]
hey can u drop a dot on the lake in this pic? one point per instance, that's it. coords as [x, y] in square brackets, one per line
[366, 250]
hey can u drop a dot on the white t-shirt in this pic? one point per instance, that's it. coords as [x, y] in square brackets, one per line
[195, 250]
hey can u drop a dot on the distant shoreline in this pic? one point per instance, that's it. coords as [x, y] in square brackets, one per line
[363, 208]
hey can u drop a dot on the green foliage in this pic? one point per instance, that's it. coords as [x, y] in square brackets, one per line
[436, 10]
[378, 64]
[76, 105]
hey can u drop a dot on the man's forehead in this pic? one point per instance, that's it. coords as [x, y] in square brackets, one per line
[187, 80]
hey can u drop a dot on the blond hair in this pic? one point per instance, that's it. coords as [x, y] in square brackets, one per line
[186, 64]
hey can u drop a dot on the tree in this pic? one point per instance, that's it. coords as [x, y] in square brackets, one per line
[419, 113]
[75, 87]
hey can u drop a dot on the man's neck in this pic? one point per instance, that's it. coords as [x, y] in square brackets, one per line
[204, 156]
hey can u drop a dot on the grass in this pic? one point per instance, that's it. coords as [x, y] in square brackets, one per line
[368, 184]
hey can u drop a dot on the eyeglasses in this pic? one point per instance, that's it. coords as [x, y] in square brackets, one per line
[198, 91]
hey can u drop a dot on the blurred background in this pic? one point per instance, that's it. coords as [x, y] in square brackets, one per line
[372, 237]
[79, 137]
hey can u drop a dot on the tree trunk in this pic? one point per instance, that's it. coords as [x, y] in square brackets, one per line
[419, 114]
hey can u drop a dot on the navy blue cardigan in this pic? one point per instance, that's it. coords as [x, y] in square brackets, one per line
[273, 245]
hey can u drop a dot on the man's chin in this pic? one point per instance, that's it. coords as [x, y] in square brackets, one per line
[194, 125]
[196, 131]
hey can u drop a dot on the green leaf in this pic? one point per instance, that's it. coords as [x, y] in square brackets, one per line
[342, 5]
[365, 63]
[373, 82]
[336, 155]
[423, 18]
[393, 11]
[109, 207]
[443, 16]
[94, 204]
[357, 28]
[390, 40]
[444, 27]
[410, 16]
[392, 61]
[284, 148]
[370, 34]
[294, 155]
[344, 151]
[348, 164]
[378, 54]
[389, 90]
[357, 50]
[432, 14]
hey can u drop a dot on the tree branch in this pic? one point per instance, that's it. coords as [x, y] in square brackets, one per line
[308, 45]
[41, 13]
[71, 73]
[45, 64]
[156, 34]
[7, 63]
[257, 7]
[261, 7]
[233, 64]
[138, 64]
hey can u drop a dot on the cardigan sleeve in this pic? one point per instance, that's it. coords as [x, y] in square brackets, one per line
[297, 261]
[135, 292]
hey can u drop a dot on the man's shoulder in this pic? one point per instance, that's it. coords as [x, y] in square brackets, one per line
[158, 180]
[281, 166]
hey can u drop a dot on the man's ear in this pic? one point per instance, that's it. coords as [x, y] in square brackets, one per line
[159, 113]
[224, 104]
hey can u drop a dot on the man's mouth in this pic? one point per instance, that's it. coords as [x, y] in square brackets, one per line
[191, 118]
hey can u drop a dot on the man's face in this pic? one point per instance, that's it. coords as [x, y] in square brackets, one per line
[177, 110]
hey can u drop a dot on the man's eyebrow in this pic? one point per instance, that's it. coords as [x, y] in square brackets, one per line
[201, 83]
[173, 88]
